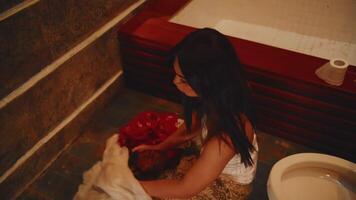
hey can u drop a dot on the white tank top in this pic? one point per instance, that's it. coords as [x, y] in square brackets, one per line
[235, 168]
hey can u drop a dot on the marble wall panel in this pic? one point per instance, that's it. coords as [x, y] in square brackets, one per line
[41, 33]
[32, 115]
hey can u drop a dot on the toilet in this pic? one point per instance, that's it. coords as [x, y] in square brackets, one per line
[312, 176]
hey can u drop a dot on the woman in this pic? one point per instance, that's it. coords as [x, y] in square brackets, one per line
[218, 109]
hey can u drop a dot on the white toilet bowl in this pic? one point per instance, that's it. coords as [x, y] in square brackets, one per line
[312, 176]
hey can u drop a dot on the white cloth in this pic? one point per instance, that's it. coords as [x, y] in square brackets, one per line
[241, 174]
[235, 168]
[111, 178]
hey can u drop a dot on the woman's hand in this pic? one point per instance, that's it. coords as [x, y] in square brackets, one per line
[145, 147]
[177, 138]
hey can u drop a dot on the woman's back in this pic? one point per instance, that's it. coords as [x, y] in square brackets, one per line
[235, 167]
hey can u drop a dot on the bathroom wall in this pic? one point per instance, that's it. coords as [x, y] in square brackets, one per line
[8, 4]
[59, 63]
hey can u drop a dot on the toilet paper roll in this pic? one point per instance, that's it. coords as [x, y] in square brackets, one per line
[333, 72]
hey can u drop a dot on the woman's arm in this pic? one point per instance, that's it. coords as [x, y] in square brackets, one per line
[178, 137]
[215, 156]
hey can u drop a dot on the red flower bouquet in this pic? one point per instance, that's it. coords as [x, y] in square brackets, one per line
[150, 128]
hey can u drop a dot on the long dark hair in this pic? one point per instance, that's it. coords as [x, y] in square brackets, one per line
[209, 64]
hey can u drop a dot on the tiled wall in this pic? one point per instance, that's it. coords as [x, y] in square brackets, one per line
[59, 63]
[8, 4]
[33, 38]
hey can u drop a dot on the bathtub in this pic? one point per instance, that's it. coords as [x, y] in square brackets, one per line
[291, 101]
[321, 28]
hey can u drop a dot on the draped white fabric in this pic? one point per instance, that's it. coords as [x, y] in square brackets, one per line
[111, 178]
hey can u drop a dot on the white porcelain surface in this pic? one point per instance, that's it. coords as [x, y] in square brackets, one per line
[311, 176]
[322, 28]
